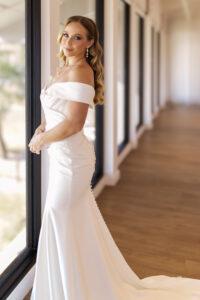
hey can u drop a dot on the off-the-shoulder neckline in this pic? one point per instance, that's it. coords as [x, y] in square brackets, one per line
[61, 82]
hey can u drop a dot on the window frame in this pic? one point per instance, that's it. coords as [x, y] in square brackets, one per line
[19, 267]
[99, 109]
[126, 59]
[141, 71]
[152, 69]
[158, 68]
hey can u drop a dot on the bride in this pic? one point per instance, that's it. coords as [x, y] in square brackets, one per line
[77, 258]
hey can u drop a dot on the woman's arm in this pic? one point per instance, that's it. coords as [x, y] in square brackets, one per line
[76, 116]
[41, 127]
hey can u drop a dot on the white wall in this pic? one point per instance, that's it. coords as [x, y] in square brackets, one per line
[183, 45]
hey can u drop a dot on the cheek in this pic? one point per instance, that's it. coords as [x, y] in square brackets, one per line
[80, 45]
[62, 42]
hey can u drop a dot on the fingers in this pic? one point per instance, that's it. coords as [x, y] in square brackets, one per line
[35, 144]
[33, 149]
[38, 130]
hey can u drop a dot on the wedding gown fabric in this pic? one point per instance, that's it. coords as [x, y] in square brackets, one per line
[77, 258]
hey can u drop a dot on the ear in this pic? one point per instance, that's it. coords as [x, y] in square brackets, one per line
[90, 43]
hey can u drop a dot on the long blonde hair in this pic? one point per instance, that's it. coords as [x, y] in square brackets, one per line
[94, 55]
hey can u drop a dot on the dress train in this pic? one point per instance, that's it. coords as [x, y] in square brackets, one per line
[77, 258]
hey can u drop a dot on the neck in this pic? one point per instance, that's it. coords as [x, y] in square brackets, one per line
[74, 60]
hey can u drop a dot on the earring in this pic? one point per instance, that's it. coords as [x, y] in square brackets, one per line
[87, 53]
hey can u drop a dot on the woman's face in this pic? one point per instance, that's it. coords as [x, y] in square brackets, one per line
[74, 40]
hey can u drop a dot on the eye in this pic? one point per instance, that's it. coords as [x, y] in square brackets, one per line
[77, 37]
[65, 34]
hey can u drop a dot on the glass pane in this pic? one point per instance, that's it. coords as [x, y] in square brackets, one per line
[85, 8]
[12, 132]
[121, 74]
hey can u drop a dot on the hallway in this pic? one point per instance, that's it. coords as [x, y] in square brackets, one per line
[153, 212]
[145, 135]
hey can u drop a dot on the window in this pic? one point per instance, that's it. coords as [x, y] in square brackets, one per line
[123, 75]
[158, 69]
[152, 70]
[155, 39]
[140, 71]
[19, 115]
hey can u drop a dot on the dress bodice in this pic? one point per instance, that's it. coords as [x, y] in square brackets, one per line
[69, 90]
[54, 99]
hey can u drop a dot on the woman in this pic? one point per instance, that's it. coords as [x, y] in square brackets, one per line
[77, 258]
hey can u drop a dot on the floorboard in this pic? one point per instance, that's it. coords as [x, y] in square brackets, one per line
[153, 212]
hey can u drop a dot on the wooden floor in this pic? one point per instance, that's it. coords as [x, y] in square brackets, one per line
[154, 211]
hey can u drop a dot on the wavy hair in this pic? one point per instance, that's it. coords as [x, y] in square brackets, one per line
[94, 54]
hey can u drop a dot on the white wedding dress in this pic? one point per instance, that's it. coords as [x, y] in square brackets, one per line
[77, 258]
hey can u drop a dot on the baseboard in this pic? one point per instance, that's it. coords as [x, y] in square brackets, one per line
[113, 178]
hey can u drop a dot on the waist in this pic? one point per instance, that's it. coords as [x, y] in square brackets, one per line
[76, 143]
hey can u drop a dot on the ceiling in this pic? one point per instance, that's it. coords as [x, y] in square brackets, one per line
[12, 13]
[172, 9]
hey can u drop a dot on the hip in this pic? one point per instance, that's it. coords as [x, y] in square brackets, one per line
[74, 150]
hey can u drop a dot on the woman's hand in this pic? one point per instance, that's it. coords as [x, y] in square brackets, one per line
[39, 130]
[36, 143]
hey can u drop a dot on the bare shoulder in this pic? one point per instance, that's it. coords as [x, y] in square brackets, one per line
[83, 73]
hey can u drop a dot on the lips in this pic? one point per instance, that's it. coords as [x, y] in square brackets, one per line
[68, 49]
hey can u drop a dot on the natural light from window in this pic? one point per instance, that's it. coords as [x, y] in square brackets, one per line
[12, 132]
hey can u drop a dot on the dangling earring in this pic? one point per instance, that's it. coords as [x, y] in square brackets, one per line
[87, 53]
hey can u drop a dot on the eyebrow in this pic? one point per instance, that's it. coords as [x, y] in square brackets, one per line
[73, 34]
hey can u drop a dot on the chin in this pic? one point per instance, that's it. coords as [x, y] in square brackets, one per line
[68, 54]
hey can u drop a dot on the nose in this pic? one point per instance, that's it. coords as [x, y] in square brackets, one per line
[68, 42]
